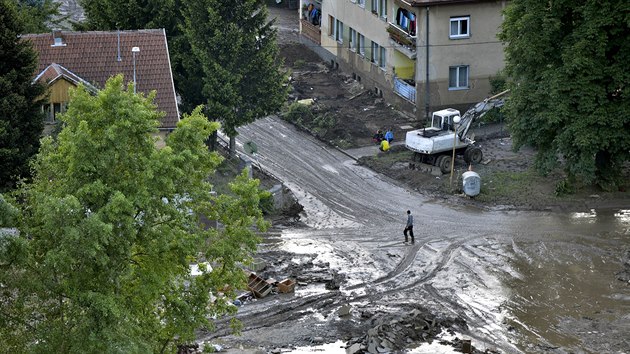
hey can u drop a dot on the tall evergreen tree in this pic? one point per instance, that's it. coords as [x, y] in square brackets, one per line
[21, 117]
[109, 227]
[567, 63]
[38, 16]
[236, 46]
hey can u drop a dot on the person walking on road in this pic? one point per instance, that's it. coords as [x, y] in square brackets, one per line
[409, 227]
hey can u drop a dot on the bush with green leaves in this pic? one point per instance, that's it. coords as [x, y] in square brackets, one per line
[108, 230]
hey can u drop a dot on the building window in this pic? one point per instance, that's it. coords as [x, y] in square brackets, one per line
[375, 53]
[331, 25]
[361, 44]
[406, 20]
[460, 27]
[379, 8]
[339, 31]
[383, 8]
[381, 61]
[458, 77]
[352, 40]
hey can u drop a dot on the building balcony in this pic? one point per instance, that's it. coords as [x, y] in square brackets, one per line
[402, 41]
[312, 32]
[405, 90]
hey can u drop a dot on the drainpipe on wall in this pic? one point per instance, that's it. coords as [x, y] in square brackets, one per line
[427, 94]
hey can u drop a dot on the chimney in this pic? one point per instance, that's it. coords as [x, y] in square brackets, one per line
[57, 39]
[119, 58]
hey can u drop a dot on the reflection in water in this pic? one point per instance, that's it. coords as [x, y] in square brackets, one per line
[567, 294]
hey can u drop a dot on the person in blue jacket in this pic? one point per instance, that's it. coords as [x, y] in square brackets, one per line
[389, 136]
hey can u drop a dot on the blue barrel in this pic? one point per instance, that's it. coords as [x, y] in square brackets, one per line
[471, 183]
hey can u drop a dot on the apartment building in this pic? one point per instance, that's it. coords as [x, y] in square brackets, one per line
[423, 55]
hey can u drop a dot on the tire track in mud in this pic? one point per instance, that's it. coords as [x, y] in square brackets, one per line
[270, 316]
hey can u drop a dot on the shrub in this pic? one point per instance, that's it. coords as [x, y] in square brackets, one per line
[298, 113]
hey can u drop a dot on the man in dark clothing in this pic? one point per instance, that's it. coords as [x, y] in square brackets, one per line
[409, 227]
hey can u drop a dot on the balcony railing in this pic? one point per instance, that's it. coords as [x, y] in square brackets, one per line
[405, 90]
[402, 41]
[312, 32]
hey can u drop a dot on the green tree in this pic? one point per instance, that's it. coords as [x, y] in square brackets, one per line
[21, 120]
[109, 228]
[567, 63]
[38, 16]
[236, 47]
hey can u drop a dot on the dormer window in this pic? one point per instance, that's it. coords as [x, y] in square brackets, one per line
[57, 39]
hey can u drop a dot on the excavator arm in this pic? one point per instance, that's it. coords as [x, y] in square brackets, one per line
[477, 111]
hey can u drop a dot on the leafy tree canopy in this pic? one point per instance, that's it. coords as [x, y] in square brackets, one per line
[21, 120]
[109, 227]
[237, 49]
[567, 62]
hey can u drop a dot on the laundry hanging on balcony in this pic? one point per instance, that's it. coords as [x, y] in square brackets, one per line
[406, 20]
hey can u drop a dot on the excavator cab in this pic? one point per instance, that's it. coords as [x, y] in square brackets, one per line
[443, 120]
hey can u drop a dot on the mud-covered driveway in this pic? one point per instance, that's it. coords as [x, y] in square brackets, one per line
[522, 281]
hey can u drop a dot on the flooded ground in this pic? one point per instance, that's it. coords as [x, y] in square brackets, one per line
[531, 282]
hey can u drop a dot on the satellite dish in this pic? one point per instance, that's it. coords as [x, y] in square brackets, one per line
[250, 147]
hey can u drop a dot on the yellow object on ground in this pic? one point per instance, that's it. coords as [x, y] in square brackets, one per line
[384, 145]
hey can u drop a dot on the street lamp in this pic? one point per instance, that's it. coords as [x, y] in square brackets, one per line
[455, 122]
[134, 50]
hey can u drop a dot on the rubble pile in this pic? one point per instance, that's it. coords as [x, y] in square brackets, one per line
[398, 334]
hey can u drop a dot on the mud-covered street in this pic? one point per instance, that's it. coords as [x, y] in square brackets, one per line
[510, 281]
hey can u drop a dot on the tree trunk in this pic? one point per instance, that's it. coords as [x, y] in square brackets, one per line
[232, 146]
[211, 142]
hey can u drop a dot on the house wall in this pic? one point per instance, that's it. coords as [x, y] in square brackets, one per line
[58, 91]
[374, 28]
[482, 52]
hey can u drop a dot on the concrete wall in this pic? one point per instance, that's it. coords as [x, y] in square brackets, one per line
[373, 28]
[482, 52]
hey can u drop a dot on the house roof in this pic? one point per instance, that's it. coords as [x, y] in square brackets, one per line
[54, 71]
[94, 57]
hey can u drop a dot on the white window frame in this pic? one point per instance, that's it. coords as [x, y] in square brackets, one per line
[338, 31]
[459, 34]
[361, 44]
[331, 24]
[352, 39]
[375, 53]
[379, 7]
[382, 9]
[458, 73]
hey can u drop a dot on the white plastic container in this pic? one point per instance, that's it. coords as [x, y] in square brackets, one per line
[471, 183]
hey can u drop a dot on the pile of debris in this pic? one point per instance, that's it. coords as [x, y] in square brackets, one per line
[398, 334]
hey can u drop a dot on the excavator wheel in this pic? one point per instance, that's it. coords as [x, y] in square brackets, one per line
[476, 155]
[445, 163]
[438, 160]
[467, 155]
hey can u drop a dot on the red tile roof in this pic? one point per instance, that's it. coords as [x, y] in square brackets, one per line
[93, 56]
[54, 71]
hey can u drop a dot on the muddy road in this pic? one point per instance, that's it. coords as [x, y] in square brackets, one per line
[522, 281]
